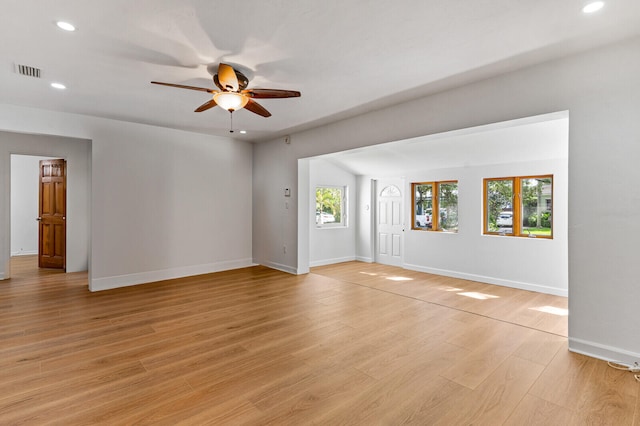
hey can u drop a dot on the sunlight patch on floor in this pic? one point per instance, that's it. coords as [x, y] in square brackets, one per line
[450, 289]
[390, 278]
[552, 310]
[479, 296]
[399, 278]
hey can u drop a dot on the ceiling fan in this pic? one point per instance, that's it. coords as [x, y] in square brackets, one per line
[233, 94]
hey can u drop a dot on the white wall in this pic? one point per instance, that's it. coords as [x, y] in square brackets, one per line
[599, 89]
[331, 245]
[277, 170]
[176, 204]
[77, 152]
[25, 170]
[164, 203]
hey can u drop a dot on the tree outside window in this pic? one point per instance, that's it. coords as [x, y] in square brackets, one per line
[448, 206]
[330, 201]
[536, 205]
[435, 206]
[499, 205]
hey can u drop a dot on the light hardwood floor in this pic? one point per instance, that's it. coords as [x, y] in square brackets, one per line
[352, 343]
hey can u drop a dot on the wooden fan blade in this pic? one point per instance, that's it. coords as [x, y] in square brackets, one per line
[256, 108]
[205, 106]
[271, 93]
[182, 86]
[227, 77]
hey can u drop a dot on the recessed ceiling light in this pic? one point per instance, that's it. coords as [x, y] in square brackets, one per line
[244, 132]
[65, 26]
[58, 86]
[593, 6]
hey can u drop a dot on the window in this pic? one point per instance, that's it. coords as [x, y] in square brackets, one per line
[498, 201]
[330, 206]
[430, 197]
[519, 206]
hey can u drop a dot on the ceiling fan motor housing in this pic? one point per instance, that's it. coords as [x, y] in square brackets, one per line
[243, 82]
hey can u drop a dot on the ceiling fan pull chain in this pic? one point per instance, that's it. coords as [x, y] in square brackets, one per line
[231, 115]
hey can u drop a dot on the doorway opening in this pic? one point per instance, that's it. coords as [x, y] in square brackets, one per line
[25, 212]
[77, 153]
[528, 146]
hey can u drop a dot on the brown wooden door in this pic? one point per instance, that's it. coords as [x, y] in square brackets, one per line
[52, 214]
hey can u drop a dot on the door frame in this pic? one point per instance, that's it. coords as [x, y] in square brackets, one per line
[78, 153]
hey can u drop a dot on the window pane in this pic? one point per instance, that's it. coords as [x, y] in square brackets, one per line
[424, 204]
[536, 206]
[448, 206]
[499, 206]
[329, 205]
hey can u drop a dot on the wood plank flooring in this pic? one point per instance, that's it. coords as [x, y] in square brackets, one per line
[347, 344]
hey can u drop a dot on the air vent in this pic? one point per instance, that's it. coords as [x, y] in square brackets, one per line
[28, 71]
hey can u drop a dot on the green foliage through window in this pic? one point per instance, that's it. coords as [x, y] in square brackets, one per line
[330, 205]
[441, 197]
[499, 201]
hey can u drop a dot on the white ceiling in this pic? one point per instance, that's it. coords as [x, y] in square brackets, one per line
[346, 57]
[540, 138]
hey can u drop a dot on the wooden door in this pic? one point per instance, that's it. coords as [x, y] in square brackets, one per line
[389, 223]
[52, 214]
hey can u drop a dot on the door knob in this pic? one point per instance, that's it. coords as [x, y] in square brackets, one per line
[38, 218]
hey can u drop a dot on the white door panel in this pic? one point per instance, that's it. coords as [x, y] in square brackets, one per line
[382, 213]
[383, 238]
[395, 208]
[396, 246]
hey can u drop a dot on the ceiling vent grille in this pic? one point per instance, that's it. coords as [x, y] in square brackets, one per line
[28, 71]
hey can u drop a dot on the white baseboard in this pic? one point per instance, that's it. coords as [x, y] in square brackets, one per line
[331, 261]
[24, 253]
[107, 283]
[280, 267]
[490, 280]
[604, 352]
[364, 259]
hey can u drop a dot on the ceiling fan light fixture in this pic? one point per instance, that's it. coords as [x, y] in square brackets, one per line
[230, 101]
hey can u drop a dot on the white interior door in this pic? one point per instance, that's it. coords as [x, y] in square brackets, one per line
[389, 222]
